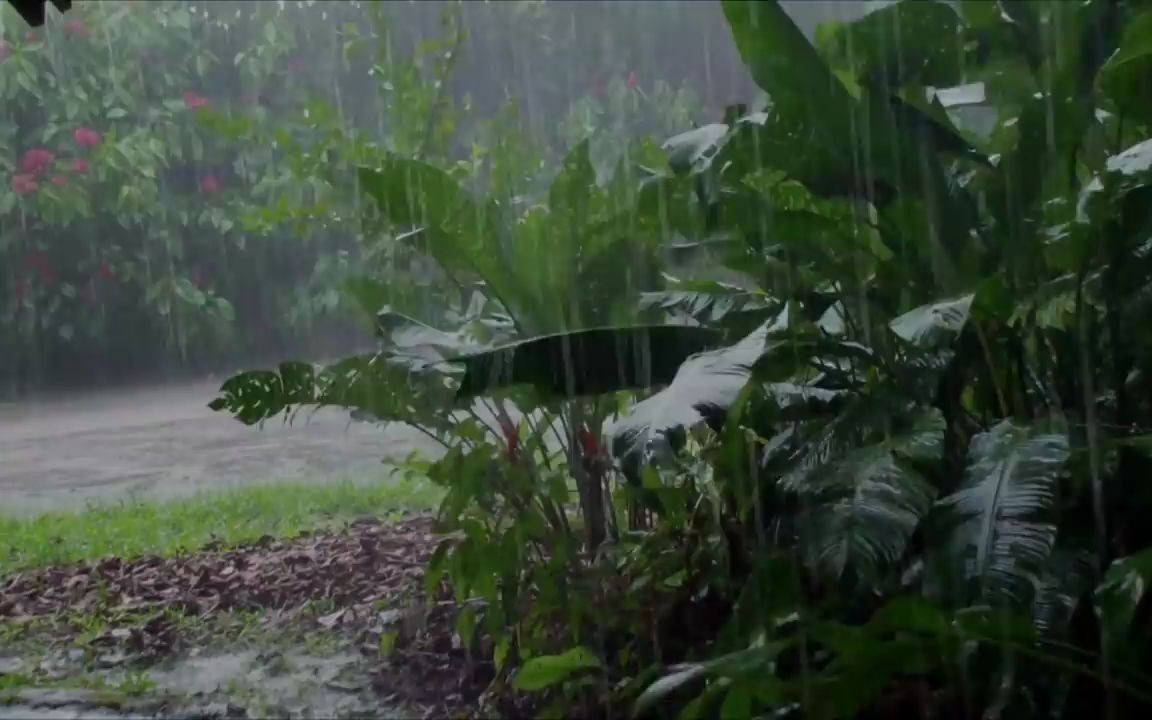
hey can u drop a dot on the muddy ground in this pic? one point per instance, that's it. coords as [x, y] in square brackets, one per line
[162, 442]
[296, 628]
[332, 624]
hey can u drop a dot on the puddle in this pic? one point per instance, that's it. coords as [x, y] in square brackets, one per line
[63, 704]
[28, 712]
[281, 684]
[246, 683]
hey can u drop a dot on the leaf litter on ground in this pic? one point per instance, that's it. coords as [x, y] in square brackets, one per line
[368, 578]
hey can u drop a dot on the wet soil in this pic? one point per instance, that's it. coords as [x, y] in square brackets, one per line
[330, 624]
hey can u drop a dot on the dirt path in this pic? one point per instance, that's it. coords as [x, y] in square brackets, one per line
[164, 442]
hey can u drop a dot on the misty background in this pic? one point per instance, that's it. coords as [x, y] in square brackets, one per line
[193, 211]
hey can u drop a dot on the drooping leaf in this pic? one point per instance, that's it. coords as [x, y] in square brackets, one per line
[667, 685]
[693, 150]
[1002, 526]
[931, 325]
[702, 390]
[586, 362]
[750, 662]
[540, 673]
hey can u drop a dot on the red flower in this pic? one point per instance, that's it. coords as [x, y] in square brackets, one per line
[59, 180]
[39, 262]
[29, 36]
[511, 439]
[193, 101]
[198, 279]
[75, 28]
[36, 160]
[79, 165]
[588, 443]
[209, 185]
[86, 137]
[632, 80]
[512, 445]
[104, 272]
[5, 51]
[23, 184]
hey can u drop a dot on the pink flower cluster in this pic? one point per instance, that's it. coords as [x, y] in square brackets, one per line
[86, 137]
[36, 162]
[193, 100]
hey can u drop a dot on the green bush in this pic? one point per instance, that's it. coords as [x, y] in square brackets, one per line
[179, 184]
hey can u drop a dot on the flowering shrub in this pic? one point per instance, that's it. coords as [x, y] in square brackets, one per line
[177, 185]
[118, 244]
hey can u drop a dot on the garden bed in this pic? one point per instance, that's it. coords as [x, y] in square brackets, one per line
[333, 622]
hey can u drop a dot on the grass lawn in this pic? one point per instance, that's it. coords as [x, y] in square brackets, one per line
[140, 527]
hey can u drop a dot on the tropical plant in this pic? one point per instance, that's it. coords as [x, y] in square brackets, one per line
[914, 485]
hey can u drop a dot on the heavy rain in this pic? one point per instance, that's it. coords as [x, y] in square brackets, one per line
[593, 359]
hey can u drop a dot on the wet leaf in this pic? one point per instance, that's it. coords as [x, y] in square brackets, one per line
[586, 362]
[540, 673]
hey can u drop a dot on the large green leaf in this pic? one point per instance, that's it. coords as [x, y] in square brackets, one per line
[1118, 597]
[1003, 531]
[373, 385]
[786, 66]
[929, 325]
[1101, 199]
[1133, 165]
[904, 42]
[810, 107]
[425, 346]
[702, 390]
[586, 362]
[693, 150]
[706, 301]
[1078, 39]
[865, 506]
[750, 662]
[876, 147]
[462, 233]
[544, 671]
[1127, 76]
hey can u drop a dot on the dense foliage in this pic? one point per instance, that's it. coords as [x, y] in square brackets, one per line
[888, 457]
[176, 189]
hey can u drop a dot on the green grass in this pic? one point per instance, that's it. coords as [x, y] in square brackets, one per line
[139, 527]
